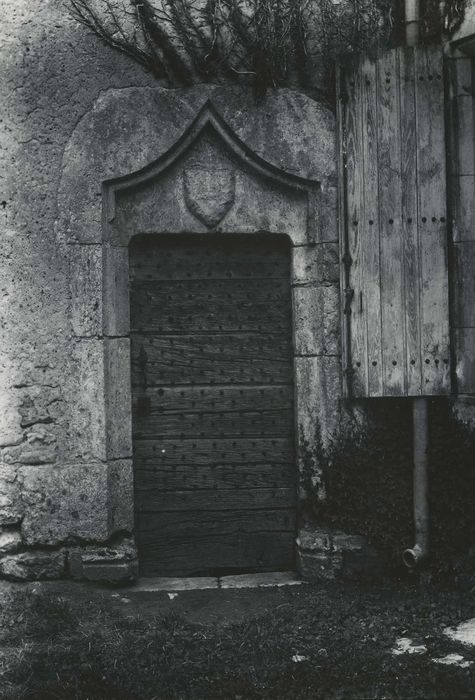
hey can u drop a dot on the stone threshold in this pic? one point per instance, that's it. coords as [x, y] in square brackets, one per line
[196, 583]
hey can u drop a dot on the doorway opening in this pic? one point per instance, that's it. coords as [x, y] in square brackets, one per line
[212, 403]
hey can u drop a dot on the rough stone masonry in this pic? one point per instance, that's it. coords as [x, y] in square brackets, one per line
[76, 115]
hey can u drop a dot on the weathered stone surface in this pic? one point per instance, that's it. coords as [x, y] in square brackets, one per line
[40, 405]
[116, 318]
[64, 503]
[329, 212]
[11, 506]
[39, 446]
[88, 419]
[152, 584]
[110, 564]
[118, 398]
[318, 415]
[33, 566]
[11, 432]
[467, 28]
[10, 540]
[463, 410]
[259, 203]
[325, 553]
[316, 320]
[317, 264]
[85, 275]
[121, 495]
[293, 132]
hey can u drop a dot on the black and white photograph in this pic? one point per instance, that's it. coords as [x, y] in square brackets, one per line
[237, 350]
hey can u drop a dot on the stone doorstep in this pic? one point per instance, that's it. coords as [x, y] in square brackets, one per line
[196, 583]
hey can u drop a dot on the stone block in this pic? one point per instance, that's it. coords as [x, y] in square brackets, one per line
[121, 495]
[11, 432]
[85, 279]
[348, 543]
[318, 380]
[118, 398]
[110, 564]
[88, 408]
[318, 264]
[116, 291]
[10, 540]
[329, 213]
[111, 572]
[315, 540]
[11, 505]
[463, 411]
[316, 315]
[325, 553]
[39, 446]
[64, 503]
[40, 404]
[33, 566]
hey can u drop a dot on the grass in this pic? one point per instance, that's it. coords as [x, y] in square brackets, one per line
[81, 646]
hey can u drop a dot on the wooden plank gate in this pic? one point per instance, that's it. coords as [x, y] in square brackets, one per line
[394, 225]
[212, 386]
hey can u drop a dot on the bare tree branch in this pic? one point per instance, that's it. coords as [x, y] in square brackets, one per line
[272, 41]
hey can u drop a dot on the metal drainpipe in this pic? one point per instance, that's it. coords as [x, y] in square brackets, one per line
[420, 408]
[420, 421]
[411, 12]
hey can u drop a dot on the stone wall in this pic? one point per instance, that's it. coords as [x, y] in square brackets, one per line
[53, 488]
[76, 114]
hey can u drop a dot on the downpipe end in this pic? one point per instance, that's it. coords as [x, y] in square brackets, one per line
[414, 556]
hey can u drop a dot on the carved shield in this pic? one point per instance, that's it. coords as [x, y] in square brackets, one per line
[209, 193]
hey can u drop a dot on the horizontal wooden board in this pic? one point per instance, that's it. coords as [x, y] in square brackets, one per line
[210, 257]
[252, 305]
[210, 476]
[201, 554]
[207, 358]
[273, 423]
[149, 499]
[196, 347]
[175, 525]
[213, 451]
[219, 398]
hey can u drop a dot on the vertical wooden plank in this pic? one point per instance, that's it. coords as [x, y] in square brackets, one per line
[370, 228]
[345, 322]
[409, 217]
[355, 225]
[392, 292]
[431, 181]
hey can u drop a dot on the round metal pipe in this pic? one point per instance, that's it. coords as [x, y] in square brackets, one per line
[420, 420]
[411, 11]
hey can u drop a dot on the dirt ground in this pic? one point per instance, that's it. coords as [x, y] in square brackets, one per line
[74, 641]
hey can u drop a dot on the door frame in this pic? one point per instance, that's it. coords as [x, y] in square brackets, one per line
[304, 210]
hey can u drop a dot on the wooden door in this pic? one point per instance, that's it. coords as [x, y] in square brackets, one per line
[213, 423]
[394, 224]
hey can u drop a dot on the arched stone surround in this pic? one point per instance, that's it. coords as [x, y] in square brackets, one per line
[125, 171]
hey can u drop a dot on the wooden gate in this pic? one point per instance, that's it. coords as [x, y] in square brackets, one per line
[394, 224]
[212, 384]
